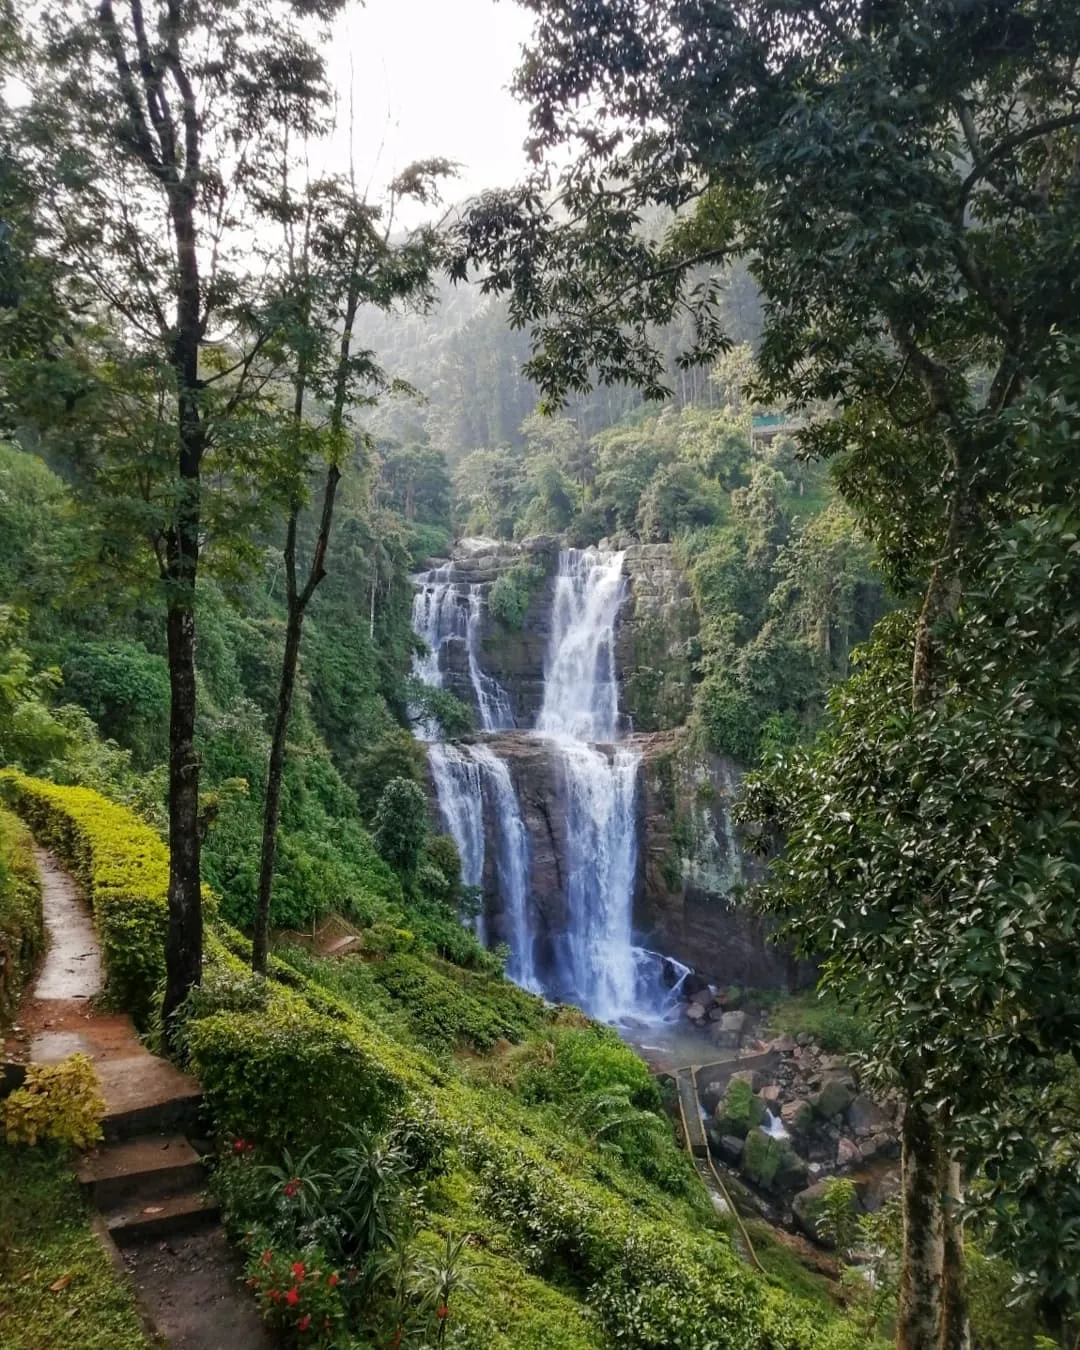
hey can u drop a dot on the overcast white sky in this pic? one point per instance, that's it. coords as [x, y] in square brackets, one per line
[431, 77]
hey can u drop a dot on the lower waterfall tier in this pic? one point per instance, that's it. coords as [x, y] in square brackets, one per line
[557, 918]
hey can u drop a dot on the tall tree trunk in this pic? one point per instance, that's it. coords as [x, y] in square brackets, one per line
[183, 942]
[955, 1326]
[919, 1316]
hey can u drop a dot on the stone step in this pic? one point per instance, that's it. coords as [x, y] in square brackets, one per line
[141, 1170]
[146, 1095]
[169, 1216]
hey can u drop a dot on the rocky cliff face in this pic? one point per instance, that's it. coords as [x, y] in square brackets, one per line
[693, 862]
[655, 640]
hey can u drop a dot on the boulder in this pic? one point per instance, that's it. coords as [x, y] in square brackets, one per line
[771, 1094]
[865, 1117]
[711, 1094]
[696, 1012]
[740, 1111]
[695, 984]
[835, 1097]
[848, 1153]
[751, 1076]
[883, 1145]
[875, 1187]
[807, 1207]
[727, 1147]
[784, 1044]
[797, 1117]
[772, 1163]
[728, 1031]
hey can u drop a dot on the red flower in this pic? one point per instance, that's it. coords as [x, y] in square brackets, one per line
[239, 1146]
[331, 1280]
[291, 1187]
[304, 1322]
[292, 1298]
[298, 1269]
[441, 1311]
[274, 1295]
[267, 1257]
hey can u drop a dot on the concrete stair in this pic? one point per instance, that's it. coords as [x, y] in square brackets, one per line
[147, 1186]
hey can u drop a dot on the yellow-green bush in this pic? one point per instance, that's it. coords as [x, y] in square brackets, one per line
[61, 1102]
[275, 1068]
[123, 868]
[21, 930]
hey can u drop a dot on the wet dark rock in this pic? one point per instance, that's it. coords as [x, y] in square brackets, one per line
[866, 1117]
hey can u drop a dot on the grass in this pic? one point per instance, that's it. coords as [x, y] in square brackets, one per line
[57, 1286]
[834, 1028]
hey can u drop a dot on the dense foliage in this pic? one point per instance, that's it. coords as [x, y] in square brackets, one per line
[355, 1150]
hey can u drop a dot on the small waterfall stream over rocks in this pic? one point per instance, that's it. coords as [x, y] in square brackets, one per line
[589, 956]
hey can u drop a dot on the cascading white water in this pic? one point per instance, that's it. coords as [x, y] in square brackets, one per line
[491, 697]
[512, 863]
[598, 961]
[444, 610]
[457, 785]
[581, 690]
[433, 620]
[593, 959]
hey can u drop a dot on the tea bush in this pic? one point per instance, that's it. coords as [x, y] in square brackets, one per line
[22, 933]
[60, 1102]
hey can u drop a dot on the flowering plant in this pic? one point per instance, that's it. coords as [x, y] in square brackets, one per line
[299, 1293]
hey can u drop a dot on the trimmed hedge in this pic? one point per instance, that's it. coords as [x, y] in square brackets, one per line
[123, 868]
[22, 933]
[275, 1069]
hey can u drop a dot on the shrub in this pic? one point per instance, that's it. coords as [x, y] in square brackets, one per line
[508, 599]
[61, 1102]
[123, 868]
[283, 1071]
[22, 933]
[580, 1060]
[299, 1293]
[441, 1013]
[401, 825]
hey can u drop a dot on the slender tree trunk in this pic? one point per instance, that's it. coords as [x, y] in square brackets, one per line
[298, 603]
[272, 809]
[955, 1326]
[919, 1317]
[183, 942]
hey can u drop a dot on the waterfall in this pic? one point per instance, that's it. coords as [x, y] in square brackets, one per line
[491, 698]
[445, 610]
[581, 690]
[512, 864]
[598, 966]
[457, 785]
[595, 961]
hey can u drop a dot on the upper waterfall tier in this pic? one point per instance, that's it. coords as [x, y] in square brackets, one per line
[444, 611]
[581, 688]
